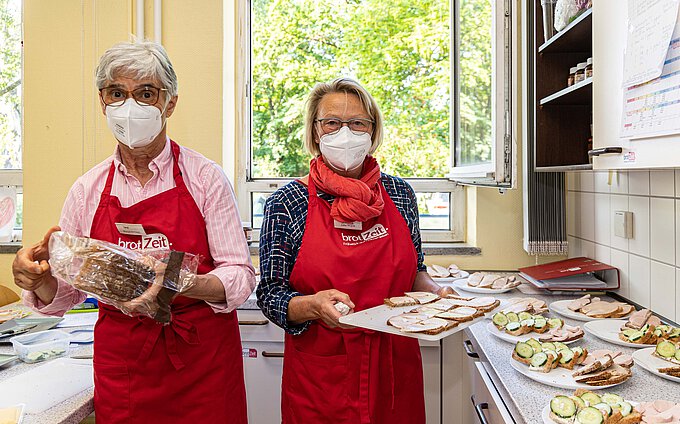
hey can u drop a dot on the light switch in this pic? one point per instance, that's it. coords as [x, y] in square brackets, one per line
[623, 224]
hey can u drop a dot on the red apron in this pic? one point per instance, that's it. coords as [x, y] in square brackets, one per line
[353, 376]
[188, 371]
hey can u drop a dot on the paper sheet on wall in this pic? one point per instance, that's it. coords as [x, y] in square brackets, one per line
[650, 27]
[652, 108]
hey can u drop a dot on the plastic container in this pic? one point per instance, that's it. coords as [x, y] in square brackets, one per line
[572, 75]
[580, 72]
[548, 18]
[40, 346]
[589, 68]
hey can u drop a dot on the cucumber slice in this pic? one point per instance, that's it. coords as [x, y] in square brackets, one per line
[578, 350]
[645, 328]
[539, 359]
[549, 346]
[627, 332]
[523, 316]
[658, 332]
[674, 334]
[512, 317]
[500, 319]
[555, 323]
[663, 327]
[559, 346]
[677, 355]
[535, 344]
[580, 404]
[591, 398]
[636, 336]
[527, 322]
[540, 322]
[563, 406]
[604, 408]
[512, 326]
[567, 355]
[524, 350]
[590, 415]
[34, 356]
[611, 398]
[626, 408]
[665, 349]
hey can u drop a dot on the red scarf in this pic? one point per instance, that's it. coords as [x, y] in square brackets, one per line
[355, 199]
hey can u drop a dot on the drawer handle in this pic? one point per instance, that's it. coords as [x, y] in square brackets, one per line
[470, 350]
[272, 354]
[254, 322]
[479, 408]
[605, 151]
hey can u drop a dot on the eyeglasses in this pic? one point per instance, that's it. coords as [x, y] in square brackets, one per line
[147, 95]
[356, 125]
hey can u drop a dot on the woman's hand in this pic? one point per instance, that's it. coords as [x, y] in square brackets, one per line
[32, 271]
[321, 306]
[445, 291]
[425, 283]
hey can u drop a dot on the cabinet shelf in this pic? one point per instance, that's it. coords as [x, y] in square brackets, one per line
[578, 94]
[576, 37]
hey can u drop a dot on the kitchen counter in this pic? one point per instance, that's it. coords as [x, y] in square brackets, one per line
[525, 398]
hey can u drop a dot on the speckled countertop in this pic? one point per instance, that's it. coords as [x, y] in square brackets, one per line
[526, 398]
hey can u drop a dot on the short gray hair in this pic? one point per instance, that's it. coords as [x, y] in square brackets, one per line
[145, 59]
[341, 85]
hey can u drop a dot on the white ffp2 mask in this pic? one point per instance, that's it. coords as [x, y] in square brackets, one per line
[134, 125]
[345, 150]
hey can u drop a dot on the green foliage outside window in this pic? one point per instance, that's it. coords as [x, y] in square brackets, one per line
[10, 84]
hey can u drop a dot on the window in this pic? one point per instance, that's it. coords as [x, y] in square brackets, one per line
[11, 204]
[401, 51]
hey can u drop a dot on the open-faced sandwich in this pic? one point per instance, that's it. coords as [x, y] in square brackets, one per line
[438, 271]
[644, 328]
[594, 307]
[524, 323]
[525, 304]
[668, 351]
[586, 407]
[544, 357]
[411, 299]
[485, 280]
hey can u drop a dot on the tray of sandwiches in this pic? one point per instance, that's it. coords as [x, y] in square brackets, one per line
[662, 360]
[487, 283]
[557, 365]
[588, 407]
[641, 330]
[513, 328]
[423, 315]
[589, 308]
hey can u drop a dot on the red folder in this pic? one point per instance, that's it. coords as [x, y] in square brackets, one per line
[573, 274]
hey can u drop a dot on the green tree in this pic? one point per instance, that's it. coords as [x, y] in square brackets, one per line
[10, 84]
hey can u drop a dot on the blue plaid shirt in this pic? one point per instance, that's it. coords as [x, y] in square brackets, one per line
[283, 225]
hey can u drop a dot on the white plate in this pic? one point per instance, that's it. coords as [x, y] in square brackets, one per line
[514, 339]
[462, 285]
[448, 280]
[651, 363]
[561, 308]
[376, 319]
[608, 330]
[559, 377]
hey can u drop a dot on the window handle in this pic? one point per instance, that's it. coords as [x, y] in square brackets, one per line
[605, 151]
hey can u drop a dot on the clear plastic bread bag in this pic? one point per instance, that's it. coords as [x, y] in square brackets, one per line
[136, 282]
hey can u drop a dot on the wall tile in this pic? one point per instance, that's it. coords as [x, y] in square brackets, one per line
[663, 289]
[617, 203]
[677, 294]
[638, 182]
[662, 230]
[662, 183]
[574, 247]
[573, 181]
[639, 286]
[587, 249]
[586, 216]
[572, 216]
[677, 232]
[587, 181]
[639, 244]
[619, 182]
[677, 183]
[602, 219]
[603, 254]
[619, 260]
[601, 181]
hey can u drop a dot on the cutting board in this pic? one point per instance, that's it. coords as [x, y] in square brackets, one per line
[47, 385]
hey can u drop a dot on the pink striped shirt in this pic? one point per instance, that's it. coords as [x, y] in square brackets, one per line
[211, 191]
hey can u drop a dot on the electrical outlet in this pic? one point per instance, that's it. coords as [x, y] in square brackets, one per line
[623, 224]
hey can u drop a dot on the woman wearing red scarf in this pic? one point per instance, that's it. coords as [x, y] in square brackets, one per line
[344, 234]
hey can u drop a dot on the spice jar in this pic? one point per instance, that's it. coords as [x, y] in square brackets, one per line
[572, 75]
[589, 68]
[580, 74]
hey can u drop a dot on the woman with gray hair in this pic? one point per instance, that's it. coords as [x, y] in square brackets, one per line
[151, 191]
[342, 239]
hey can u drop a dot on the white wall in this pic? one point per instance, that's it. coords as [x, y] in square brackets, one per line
[650, 261]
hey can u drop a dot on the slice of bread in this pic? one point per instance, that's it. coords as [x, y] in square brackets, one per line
[516, 357]
[398, 301]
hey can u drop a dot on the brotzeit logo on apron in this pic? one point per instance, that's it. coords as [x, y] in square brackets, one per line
[147, 242]
[376, 232]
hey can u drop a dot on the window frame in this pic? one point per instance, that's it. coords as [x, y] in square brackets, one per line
[498, 173]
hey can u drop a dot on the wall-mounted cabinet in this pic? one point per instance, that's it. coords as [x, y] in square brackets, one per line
[562, 113]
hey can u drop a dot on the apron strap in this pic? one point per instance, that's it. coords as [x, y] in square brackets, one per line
[109, 180]
[176, 171]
